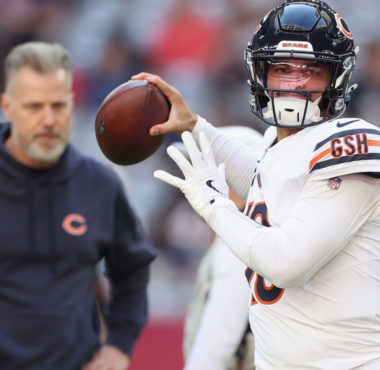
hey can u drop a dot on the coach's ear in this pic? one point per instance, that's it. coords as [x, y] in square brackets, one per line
[6, 106]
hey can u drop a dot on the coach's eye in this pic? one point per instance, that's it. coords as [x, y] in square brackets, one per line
[33, 107]
[59, 105]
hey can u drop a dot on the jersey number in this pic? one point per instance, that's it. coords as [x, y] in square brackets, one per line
[265, 294]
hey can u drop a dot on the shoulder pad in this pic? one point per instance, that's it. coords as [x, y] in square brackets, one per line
[348, 146]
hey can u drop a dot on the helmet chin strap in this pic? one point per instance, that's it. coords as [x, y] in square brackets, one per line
[290, 111]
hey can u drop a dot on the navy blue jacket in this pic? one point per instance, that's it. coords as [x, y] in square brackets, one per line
[55, 225]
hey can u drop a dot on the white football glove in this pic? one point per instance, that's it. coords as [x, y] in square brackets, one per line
[205, 185]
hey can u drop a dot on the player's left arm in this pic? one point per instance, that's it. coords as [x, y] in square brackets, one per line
[320, 224]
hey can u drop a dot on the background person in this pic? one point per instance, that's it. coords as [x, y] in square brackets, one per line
[62, 212]
[216, 335]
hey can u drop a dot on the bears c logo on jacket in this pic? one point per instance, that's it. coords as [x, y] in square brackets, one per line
[74, 224]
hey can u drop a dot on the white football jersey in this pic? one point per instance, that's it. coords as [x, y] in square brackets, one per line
[320, 323]
[211, 341]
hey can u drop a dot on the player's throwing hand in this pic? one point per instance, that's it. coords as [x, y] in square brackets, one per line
[181, 117]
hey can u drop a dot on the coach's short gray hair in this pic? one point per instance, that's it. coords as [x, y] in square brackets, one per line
[41, 56]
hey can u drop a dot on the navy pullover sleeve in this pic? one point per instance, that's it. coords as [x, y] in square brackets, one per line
[128, 268]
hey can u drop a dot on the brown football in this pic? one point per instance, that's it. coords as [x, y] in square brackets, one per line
[124, 118]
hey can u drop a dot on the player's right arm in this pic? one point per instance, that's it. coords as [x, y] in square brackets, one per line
[319, 225]
[240, 160]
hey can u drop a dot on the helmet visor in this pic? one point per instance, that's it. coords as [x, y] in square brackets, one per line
[292, 77]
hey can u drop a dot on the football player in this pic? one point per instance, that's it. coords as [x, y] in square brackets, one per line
[310, 235]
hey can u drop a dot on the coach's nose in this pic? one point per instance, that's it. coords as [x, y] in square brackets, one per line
[48, 117]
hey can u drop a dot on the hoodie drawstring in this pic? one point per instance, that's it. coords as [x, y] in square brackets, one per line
[52, 236]
[31, 219]
[32, 224]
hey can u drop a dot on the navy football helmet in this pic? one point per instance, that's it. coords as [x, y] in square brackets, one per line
[307, 30]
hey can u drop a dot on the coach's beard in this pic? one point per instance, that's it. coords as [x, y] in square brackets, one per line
[43, 153]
